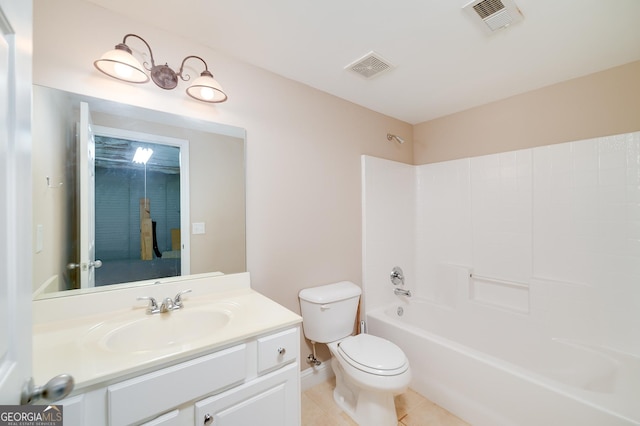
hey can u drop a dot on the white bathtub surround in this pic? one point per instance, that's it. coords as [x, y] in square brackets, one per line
[527, 265]
[389, 223]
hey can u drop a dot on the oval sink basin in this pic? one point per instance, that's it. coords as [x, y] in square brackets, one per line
[161, 331]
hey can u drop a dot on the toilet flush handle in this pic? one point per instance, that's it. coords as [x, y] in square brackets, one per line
[325, 307]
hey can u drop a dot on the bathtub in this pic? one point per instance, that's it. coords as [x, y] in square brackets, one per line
[497, 367]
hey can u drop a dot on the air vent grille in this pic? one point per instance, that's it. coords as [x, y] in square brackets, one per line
[494, 14]
[487, 8]
[499, 20]
[370, 65]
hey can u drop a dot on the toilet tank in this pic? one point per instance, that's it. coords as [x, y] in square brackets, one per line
[329, 311]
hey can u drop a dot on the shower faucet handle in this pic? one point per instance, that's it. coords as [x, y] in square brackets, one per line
[397, 276]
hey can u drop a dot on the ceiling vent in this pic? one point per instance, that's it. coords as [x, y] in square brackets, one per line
[370, 65]
[494, 14]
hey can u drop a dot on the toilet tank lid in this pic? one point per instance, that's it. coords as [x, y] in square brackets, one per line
[330, 292]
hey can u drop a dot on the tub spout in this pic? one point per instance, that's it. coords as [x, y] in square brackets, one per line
[402, 292]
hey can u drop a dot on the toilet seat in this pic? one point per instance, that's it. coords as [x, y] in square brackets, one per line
[373, 355]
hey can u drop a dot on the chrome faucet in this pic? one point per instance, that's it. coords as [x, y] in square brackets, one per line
[168, 304]
[402, 292]
[153, 305]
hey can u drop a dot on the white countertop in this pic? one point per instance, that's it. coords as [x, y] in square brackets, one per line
[72, 345]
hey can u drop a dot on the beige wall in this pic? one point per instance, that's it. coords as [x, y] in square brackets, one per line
[303, 145]
[599, 104]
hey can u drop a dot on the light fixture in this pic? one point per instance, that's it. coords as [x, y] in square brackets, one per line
[142, 155]
[120, 63]
[397, 138]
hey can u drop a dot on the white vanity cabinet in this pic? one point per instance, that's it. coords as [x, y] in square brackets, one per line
[256, 381]
[271, 399]
[267, 400]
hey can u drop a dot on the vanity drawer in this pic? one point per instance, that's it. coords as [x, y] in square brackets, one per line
[277, 349]
[169, 419]
[136, 399]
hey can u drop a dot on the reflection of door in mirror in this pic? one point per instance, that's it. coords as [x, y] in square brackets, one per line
[63, 248]
[137, 206]
[82, 266]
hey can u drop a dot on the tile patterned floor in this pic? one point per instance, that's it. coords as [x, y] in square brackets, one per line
[319, 409]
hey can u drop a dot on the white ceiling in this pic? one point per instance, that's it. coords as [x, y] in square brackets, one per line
[444, 61]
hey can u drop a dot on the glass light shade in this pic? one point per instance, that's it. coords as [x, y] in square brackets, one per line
[119, 63]
[205, 88]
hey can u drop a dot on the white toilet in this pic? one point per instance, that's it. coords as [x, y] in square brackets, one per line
[369, 370]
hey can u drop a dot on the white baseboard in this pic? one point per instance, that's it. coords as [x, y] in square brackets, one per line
[315, 375]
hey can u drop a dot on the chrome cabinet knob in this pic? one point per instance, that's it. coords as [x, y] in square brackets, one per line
[281, 351]
[208, 419]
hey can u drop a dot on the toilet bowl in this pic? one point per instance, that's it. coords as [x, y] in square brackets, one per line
[369, 370]
[373, 362]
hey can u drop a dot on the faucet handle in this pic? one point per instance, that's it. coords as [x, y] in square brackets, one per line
[177, 301]
[153, 305]
[397, 276]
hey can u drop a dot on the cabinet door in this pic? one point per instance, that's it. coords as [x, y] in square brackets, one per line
[73, 410]
[270, 400]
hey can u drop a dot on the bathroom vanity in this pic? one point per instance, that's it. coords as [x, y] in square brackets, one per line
[229, 356]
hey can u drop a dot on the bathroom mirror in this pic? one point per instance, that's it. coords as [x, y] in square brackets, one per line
[180, 212]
